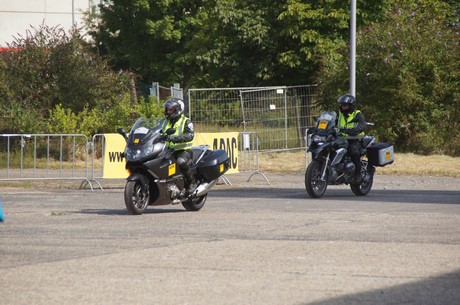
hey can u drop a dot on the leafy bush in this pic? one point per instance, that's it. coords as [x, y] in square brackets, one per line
[49, 67]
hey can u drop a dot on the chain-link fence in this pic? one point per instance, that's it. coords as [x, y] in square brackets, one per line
[279, 115]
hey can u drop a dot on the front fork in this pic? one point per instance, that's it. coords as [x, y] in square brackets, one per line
[326, 162]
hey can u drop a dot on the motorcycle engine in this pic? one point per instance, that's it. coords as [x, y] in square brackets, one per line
[173, 190]
[349, 171]
[349, 168]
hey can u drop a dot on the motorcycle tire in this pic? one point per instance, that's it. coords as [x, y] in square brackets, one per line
[195, 204]
[136, 198]
[363, 188]
[313, 183]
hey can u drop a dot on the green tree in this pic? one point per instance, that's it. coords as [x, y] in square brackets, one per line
[224, 42]
[314, 32]
[151, 38]
[408, 77]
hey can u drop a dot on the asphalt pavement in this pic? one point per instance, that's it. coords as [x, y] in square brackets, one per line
[252, 243]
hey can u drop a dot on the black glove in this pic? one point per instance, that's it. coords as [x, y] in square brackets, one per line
[171, 138]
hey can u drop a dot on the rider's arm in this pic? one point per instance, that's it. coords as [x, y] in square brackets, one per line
[186, 136]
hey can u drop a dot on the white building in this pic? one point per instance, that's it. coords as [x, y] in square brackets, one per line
[17, 16]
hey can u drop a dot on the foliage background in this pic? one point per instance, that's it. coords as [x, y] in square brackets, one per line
[407, 63]
[51, 82]
[408, 77]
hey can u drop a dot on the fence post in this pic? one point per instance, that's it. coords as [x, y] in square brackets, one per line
[249, 143]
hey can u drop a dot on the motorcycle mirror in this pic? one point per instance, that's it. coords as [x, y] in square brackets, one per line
[170, 131]
[122, 131]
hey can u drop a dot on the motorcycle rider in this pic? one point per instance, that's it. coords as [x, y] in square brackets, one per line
[181, 140]
[351, 123]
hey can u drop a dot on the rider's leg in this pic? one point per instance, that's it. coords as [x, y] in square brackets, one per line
[353, 149]
[184, 160]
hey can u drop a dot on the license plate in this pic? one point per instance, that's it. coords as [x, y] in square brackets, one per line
[172, 169]
[322, 124]
[388, 156]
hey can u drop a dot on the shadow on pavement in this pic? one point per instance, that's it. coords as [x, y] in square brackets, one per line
[443, 289]
[124, 212]
[404, 196]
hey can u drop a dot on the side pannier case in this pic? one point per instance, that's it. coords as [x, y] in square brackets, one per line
[213, 165]
[380, 154]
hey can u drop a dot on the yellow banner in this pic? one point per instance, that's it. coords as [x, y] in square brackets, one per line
[227, 141]
[114, 163]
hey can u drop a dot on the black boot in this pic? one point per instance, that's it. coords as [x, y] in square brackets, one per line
[191, 186]
[190, 182]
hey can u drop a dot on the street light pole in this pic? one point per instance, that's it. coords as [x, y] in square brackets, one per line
[353, 48]
[73, 13]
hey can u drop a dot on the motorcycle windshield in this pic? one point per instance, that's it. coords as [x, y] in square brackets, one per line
[144, 125]
[145, 130]
[144, 140]
[326, 120]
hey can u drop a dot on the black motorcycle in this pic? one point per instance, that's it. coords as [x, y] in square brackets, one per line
[331, 165]
[154, 176]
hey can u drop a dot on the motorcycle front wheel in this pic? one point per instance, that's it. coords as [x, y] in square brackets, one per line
[195, 204]
[313, 183]
[365, 186]
[136, 197]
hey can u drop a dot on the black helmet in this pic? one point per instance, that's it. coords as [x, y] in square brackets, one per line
[347, 103]
[347, 99]
[175, 106]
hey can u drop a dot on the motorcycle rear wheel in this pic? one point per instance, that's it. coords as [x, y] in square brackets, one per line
[136, 198]
[195, 204]
[364, 187]
[313, 183]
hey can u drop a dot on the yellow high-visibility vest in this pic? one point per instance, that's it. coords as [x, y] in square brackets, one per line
[179, 126]
[347, 123]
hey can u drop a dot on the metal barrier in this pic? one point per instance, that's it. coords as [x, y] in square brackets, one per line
[94, 145]
[249, 155]
[278, 114]
[67, 157]
[44, 157]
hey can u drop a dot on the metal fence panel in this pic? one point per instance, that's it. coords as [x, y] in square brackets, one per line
[163, 93]
[279, 115]
[43, 156]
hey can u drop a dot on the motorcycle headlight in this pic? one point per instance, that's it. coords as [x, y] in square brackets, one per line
[134, 154]
[317, 138]
[148, 150]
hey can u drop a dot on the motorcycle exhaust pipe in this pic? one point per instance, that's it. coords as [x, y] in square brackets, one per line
[205, 187]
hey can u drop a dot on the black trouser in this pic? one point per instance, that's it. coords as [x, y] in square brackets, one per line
[354, 148]
[184, 160]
